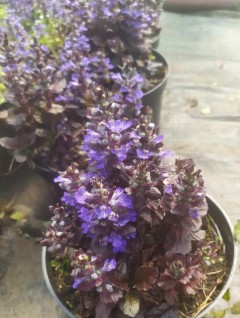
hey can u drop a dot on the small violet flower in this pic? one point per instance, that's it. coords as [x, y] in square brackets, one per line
[118, 243]
[109, 265]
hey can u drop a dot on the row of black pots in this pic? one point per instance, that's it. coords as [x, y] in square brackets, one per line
[153, 97]
[224, 227]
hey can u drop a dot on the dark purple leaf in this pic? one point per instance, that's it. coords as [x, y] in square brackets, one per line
[155, 207]
[89, 302]
[16, 120]
[145, 277]
[128, 230]
[58, 87]
[56, 109]
[106, 250]
[135, 245]
[171, 297]
[182, 242]
[198, 236]
[146, 216]
[9, 143]
[162, 311]
[118, 280]
[153, 193]
[191, 224]
[41, 132]
[3, 114]
[11, 98]
[102, 310]
[166, 282]
[112, 297]
[86, 286]
[140, 314]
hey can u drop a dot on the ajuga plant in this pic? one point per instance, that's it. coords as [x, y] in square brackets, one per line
[131, 236]
[31, 79]
[48, 70]
[124, 30]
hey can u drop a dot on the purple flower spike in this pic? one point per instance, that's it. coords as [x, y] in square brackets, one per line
[119, 198]
[144, 154]
[59, 179]
[109, 265]
[168, 189]
[158, 139]
[77, 282]
[85, 214]
[103, 212]
[118, 126]
[166, 153]
[118, 243]
[68, 199]
[81, 195]
[86, 227]
[193, 212]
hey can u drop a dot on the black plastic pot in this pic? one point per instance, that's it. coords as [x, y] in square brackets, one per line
[46, 173]
[5, 162]
[224, 227]
[49, 175]
[153, 97]
[5, 156]
[156, 41]
[48, 276]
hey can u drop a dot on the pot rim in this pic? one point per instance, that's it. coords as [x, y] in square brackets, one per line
[202, 313]
[49, 285]
[163, 82]
[234, 263]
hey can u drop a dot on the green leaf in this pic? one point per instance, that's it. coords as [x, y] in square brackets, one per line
[46, 223]
[2, 86]
[226, 296]
[130, 306]
[3, 12]
[2, 100]
[17, 216]
[235, 310]
[220, 314]
[54, 263]
[236, 232]
[51, 38]
[2, 214]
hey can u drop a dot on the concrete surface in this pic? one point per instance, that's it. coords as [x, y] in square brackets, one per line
[200, 119]
[200, 116]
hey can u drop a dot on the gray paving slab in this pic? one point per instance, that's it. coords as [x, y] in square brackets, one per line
[200, 115]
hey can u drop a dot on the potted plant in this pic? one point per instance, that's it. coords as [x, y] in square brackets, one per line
[41, 128]
[49, 63]
[133, 235]
[125, 31]
[47, 72]
[157, 7]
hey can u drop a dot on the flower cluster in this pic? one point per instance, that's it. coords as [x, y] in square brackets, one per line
[138, 216]
[105, 215]
[52, 56]
[42, 128]
[181, 276]
[126, 31]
